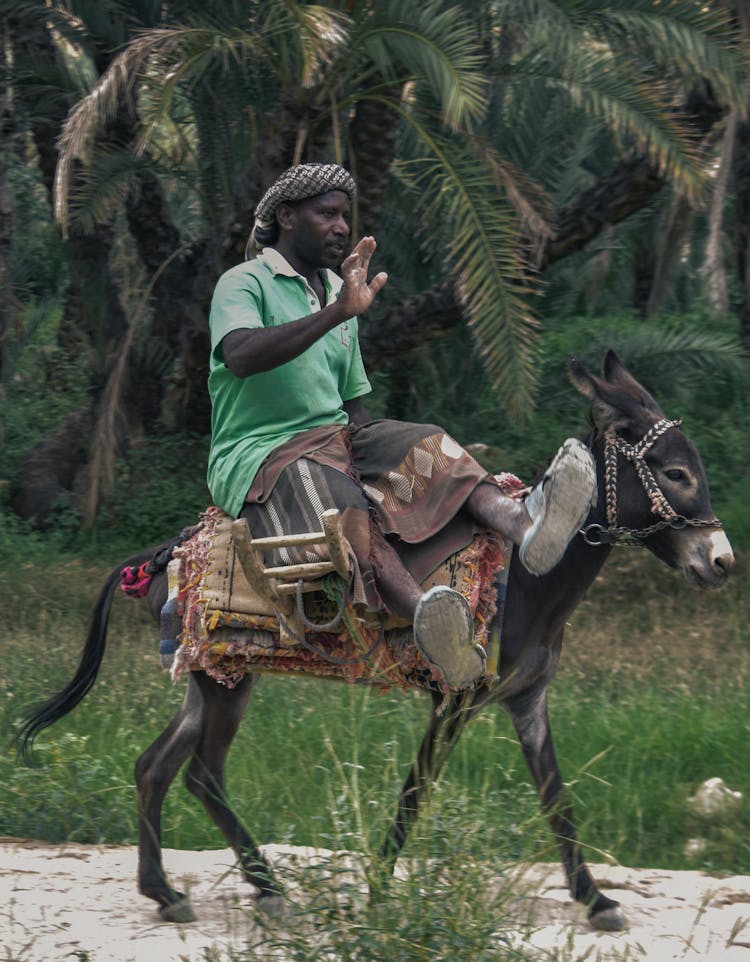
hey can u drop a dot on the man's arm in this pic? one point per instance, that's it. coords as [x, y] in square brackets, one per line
[250, 351]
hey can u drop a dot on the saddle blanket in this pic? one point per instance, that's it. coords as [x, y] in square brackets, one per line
[228, 629]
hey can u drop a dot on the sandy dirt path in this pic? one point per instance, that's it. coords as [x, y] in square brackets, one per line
[79, 902]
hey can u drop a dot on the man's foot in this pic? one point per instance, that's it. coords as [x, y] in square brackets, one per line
[444, 634]
[558, 506]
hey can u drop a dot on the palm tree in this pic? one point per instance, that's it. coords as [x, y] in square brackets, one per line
[501, 136]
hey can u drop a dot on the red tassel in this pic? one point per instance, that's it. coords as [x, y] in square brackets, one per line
[135, 581]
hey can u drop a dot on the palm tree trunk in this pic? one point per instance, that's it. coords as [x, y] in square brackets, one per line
[714, 265]
[93, 317]
[741, 173]
[10, 137]
[672, 235]
[373, 135]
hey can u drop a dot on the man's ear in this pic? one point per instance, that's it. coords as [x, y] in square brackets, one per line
[286, 215]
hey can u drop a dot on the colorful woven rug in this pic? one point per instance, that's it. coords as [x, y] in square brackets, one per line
[229, 630]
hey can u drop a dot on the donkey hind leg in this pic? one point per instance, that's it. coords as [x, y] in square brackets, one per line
[222, 713]
[528, 712]
[155, 771]
[442, 733]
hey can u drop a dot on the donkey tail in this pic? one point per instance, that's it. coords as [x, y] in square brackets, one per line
[66, 700]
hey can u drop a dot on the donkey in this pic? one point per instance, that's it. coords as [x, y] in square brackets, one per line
[652, 490]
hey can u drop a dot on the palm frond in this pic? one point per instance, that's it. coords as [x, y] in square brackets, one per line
[629, 66]
[674, 358]
[677, 361]
[680, 38]
[532, 205]
[43, 14]
[459, 197]
[103, 187]
[669, 352]
[677, 37]
[636, 110]
[321, 34]
[433, 45]
[89, 115]
[163, 58]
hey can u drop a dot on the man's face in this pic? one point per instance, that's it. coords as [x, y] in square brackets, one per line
[319, 230]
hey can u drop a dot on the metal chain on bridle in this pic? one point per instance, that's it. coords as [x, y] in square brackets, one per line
[596, 534]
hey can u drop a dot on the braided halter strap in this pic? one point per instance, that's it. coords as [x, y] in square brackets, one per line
[635, 454]
[596, 535]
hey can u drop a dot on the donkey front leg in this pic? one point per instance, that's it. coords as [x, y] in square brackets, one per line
[528, 712]
[442, 733]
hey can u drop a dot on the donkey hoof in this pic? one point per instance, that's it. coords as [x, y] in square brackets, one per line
[178, 911]
[609, 920]
[273, 906]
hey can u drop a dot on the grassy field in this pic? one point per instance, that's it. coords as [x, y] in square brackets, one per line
[650, 701]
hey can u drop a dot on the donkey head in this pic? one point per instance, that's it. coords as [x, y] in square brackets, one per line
[652, 484]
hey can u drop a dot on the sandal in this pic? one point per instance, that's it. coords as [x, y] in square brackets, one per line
[444, 634]
[558, 506]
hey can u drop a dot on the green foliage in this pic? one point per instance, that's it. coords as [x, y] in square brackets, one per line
[46, 384]
[36, 262]
[443, 911]
[160, 488]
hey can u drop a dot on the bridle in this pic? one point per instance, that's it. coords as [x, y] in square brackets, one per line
[612, 534]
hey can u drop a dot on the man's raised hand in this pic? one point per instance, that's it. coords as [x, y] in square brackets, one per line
[357, 294]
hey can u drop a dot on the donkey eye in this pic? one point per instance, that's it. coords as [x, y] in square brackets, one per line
[675, 474]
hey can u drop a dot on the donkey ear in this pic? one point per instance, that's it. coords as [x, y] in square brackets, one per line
[617, 403]
[582, 381]
[618, 376]
[605, 408]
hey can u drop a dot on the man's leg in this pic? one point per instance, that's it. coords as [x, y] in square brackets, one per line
[398, 589]
[492, 509]
[542, 525]
[442, 620]
[417, 479]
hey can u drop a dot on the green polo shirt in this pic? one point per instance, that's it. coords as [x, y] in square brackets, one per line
[254, 415]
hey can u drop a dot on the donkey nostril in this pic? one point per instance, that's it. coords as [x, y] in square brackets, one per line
[724, 563]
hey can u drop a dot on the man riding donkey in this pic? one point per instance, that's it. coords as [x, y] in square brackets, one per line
[292, 438]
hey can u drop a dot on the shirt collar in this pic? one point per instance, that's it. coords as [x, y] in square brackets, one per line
[278, 264]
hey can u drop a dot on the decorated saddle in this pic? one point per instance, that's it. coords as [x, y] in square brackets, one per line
[238, 617]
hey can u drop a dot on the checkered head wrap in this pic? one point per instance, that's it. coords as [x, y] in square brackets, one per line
[297, 183]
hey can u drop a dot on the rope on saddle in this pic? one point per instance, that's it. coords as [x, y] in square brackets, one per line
[331, 592]
[336, 589]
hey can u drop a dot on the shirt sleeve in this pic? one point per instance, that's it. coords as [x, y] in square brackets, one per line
[237, 303]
